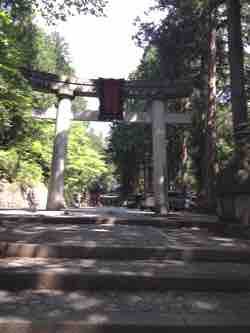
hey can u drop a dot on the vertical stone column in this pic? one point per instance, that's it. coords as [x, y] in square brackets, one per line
[159, 157]
[63, 121]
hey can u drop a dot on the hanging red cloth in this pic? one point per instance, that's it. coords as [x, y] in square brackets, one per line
[111, 99]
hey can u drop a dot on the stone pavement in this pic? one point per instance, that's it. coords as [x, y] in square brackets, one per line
[79, 277]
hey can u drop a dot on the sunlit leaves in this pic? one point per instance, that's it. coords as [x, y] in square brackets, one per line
[54, 10]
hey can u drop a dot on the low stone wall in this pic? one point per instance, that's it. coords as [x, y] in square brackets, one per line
[14, 196]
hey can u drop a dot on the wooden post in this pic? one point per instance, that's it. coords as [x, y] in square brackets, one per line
[63, 121]
[159, 157]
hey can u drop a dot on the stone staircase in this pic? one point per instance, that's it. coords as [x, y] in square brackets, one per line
[64, 275]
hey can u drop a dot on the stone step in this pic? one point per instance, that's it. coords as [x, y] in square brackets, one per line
[66, 233]
[87, 250]
[56, 311]
[119, 242]
[72, 274]
[117, 216]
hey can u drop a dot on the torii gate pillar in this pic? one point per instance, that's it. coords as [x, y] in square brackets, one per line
[63, 121]
[159, 157]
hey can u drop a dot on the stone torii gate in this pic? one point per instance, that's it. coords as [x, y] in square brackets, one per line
[68, 88]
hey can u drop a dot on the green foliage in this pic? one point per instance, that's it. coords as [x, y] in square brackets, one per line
[85, 163]
[8, 163]
[15, 95]
[51, 53]
[29, 173]
[149, 67]
[128, 146]
[225, 142]
[28, 161]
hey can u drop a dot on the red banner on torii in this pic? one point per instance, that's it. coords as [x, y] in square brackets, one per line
[111, 99]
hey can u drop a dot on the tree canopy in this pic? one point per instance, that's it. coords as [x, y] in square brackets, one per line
[53, 10]
[26, 143]
[177, 47]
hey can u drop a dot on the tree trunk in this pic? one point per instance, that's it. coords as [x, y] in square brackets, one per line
[184, 158]
[234, 180]
[209, 163]
[236, 59]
